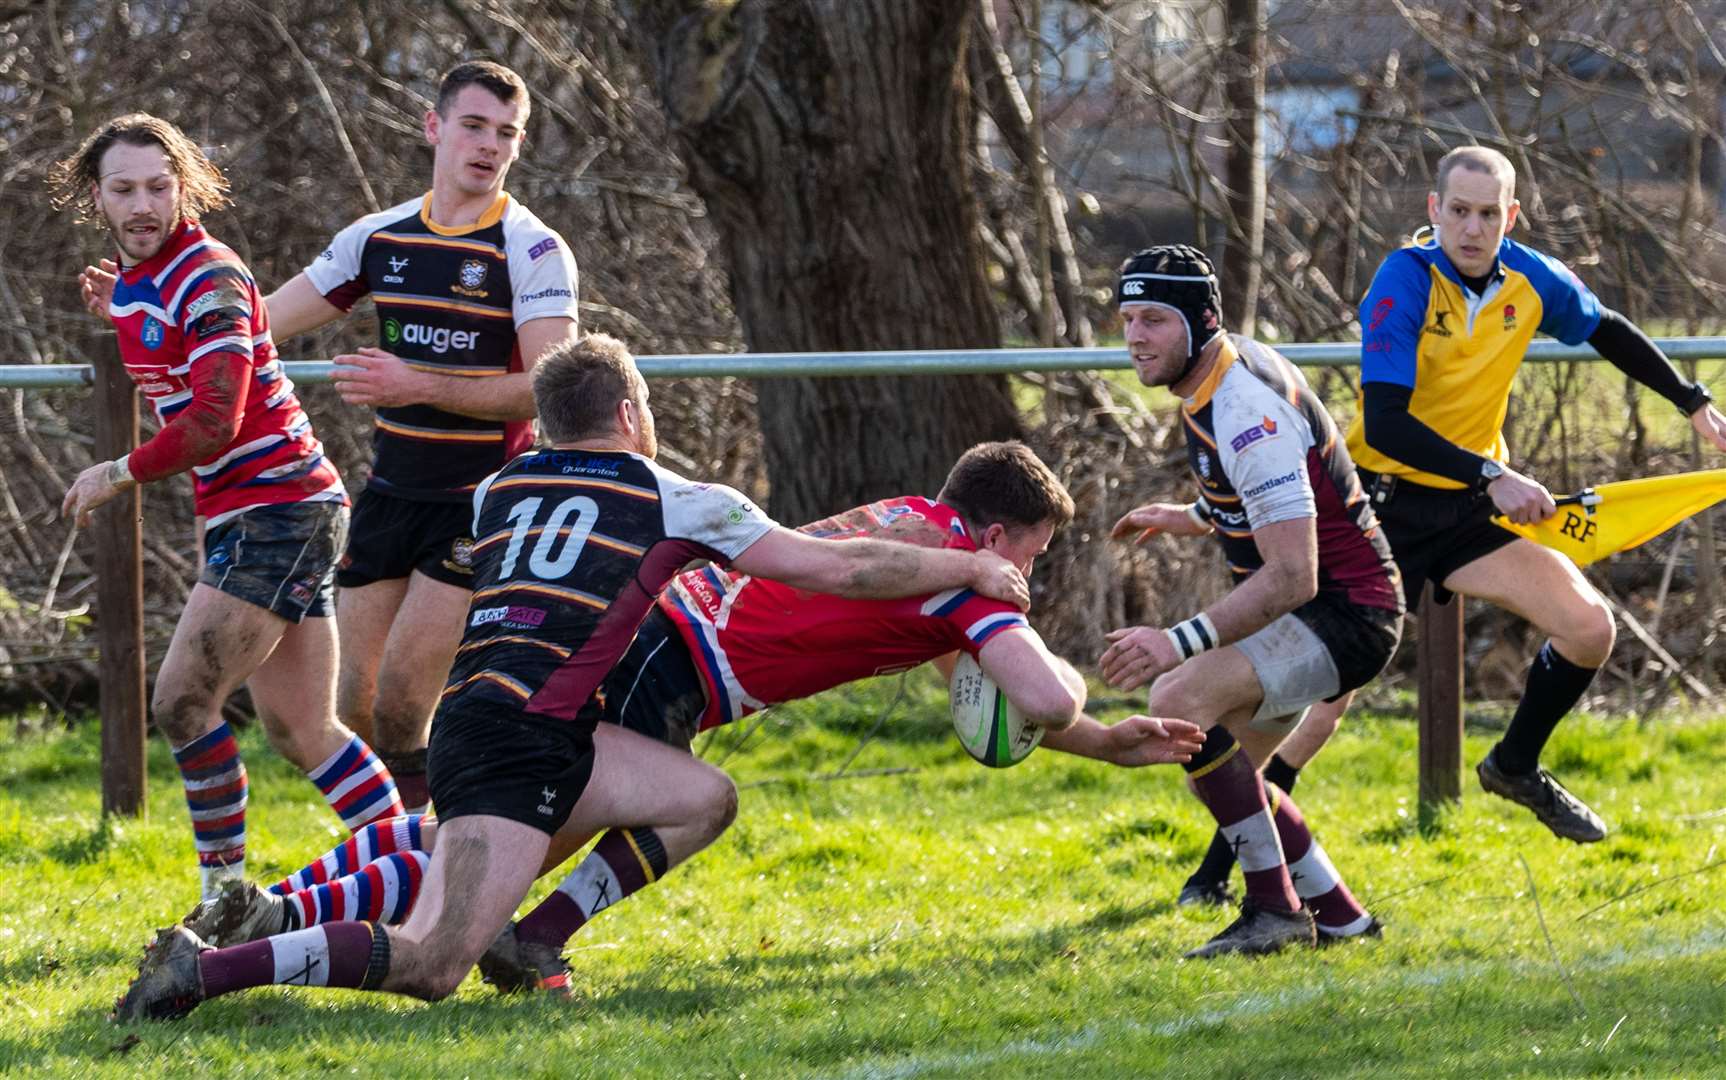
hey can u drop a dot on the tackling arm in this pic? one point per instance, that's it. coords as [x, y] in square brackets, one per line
[879, 569]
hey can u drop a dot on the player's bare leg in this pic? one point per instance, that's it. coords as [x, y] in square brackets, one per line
[1549, 591]
[413, 661]
[687, 807]
[363, 617]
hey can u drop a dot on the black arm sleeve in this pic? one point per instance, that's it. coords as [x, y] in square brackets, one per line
[1392, 431]
[1630, 351]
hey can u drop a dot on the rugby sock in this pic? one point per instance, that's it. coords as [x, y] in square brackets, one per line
[372, 842]
[623, 862]
[347, 954]
[1554, 687]
[1333, 907]
[215, 780]
[382, 891]
[1231, 790]
[357, 786]
[412, 780]
[1219, 857]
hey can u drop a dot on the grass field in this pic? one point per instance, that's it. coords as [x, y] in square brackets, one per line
[952, 921]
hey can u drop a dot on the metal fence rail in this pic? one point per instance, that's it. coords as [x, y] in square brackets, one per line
[120, 570]
[909, 362]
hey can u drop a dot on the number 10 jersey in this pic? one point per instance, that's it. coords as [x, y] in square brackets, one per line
[570, 549]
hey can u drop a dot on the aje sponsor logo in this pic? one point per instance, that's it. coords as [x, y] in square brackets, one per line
[439, 339]
[515, 617]
[1264, 430]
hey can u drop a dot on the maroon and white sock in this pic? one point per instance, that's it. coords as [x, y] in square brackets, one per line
[1231, 790]
[354, 955]
[1334, 908]
[622, 863]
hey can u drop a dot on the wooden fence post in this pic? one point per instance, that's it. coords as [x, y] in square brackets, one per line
[117, 530]
[1439, 656]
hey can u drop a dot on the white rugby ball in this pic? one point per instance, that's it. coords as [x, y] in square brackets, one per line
[990, 728]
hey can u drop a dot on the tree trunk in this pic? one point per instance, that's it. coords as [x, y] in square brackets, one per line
[830, 140]
[1244, 94]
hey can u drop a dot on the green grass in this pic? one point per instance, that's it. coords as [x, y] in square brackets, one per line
[953, 921]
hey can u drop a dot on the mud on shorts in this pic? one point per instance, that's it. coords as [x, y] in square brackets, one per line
[392, 537]
[1318, 652]
[1432, 532]
[655, 690]
[281, 558]
[490, 758]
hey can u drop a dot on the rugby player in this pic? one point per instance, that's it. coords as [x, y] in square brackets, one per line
[1315, 612]
[195, 336]
[1445, 326]
[470, 290]
[722, 645]
[573, 545]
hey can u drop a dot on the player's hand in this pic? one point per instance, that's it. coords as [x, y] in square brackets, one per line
[1151, 740]
[96, 288]
[90, 490]
[1153, 518]
[1520, 499]
[1136, 655]
[379, 379]
[999, 579]
[1710, 425]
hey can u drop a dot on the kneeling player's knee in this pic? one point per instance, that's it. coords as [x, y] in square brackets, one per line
[433, 978]
[720, 806]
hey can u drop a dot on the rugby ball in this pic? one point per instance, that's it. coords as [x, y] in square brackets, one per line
[989, 727]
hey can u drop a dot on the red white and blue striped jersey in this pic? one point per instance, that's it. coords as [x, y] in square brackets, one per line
[186, 318]
[757, 643]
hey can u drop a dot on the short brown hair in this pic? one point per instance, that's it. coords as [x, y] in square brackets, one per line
[1005, 482]
[74, 179]
[499, 81]
[576, 387]
[1481, 159]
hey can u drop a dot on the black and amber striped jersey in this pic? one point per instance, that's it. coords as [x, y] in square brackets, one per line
[571, 547]
[448, 300]
[1264, 449]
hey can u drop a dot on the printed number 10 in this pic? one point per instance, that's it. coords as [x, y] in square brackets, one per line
[542, 563]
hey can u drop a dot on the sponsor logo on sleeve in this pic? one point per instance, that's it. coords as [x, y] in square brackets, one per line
[217, 299]
[1510, 316]
[542, 249]
[1265, 429]
[1273, 482]
[544, 294]
[1380, 312]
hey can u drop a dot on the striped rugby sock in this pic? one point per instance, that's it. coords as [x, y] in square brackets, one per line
[373, 842]
[357, 786]
[1333, 907]
[382, 891]
[1231, 790]
[215, 781]
[624, 862]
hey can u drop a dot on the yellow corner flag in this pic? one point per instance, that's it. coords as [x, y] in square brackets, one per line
[1613, 517]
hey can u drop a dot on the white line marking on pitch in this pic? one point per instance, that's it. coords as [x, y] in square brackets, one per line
[1251, 1005]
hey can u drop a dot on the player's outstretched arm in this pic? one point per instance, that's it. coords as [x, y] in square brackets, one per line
[879, 569]
[1153, 518]
[96, 287]
[1047, 689]
[1131, 743]
[298, 307]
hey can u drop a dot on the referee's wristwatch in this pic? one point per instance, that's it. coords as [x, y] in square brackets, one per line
[1699, 399]
[1490, 470]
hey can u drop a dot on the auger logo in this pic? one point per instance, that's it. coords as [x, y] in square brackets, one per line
[439, 339]
[546, 795]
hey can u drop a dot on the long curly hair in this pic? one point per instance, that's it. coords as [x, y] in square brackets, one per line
[203, 187]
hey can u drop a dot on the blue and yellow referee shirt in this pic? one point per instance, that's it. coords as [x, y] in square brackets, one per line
[1458, 352]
